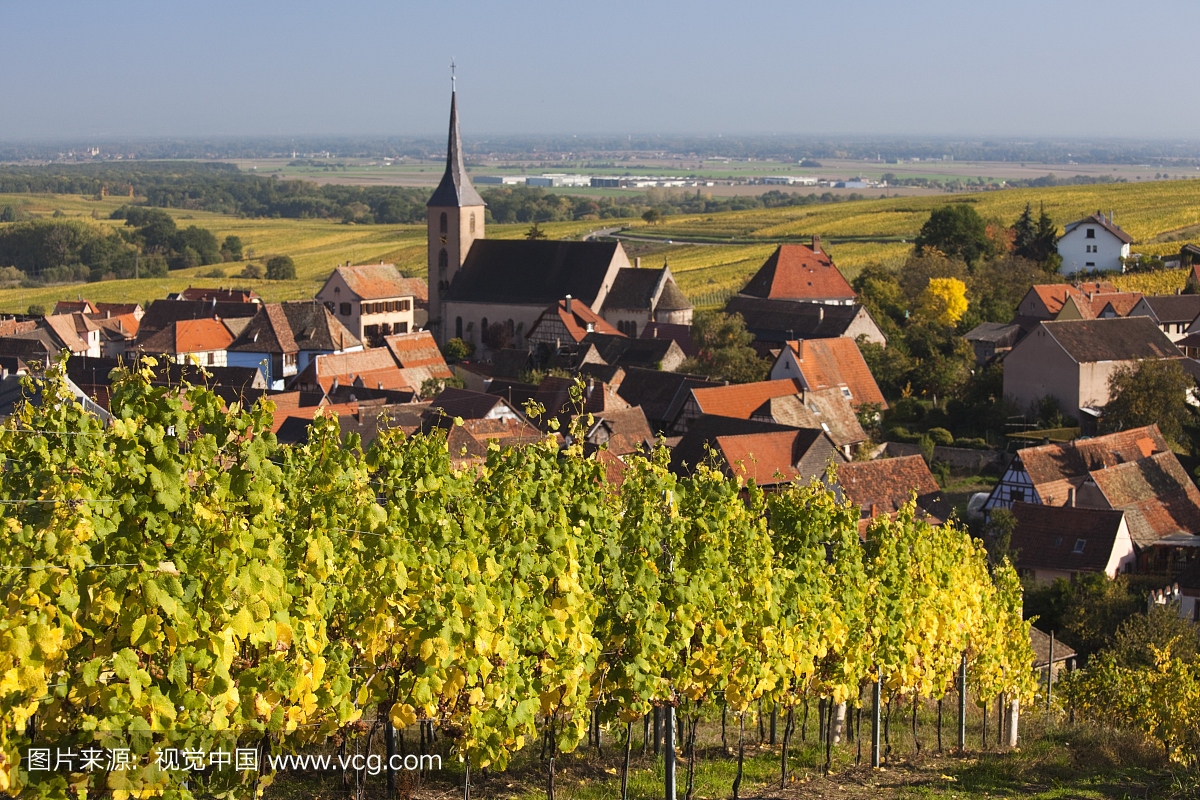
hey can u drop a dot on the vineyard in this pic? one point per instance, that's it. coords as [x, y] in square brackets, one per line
[176, 579]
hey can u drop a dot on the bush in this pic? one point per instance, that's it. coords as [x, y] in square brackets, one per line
[901, 434]
[456, 349]
[974, 444]
[252, 271]
[11, 276]
[215, 272]
[281, 268]
[941, 437]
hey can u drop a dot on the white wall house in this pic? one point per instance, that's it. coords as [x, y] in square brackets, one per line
[1093, 244]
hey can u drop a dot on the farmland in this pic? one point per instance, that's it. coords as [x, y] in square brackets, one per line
[1157, 215]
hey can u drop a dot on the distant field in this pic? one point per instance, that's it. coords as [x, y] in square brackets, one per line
[1159, 216]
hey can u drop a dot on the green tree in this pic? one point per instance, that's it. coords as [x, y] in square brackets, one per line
[252, 271]
[281, 268]
[652, 216]
[534, 233]
[1155, 391]
[231, 248]
[956, 230]
[724, 349]
[36, 310]
[8, 214]
[1025, 233]
[457, 350]
[1161, 627]
[997, 536]
[432, 387]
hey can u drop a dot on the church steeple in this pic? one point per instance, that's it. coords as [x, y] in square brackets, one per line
[455, 190]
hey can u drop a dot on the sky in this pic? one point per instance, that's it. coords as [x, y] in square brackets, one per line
[366, 68]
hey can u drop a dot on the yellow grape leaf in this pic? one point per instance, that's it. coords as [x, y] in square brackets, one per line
[402, 715]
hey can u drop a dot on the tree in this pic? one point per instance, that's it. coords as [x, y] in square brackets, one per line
[252, 271]
[1162, 628]
[231, 248]
[955, 230]
[724, 349]
[943, 301]
[879, 290]
[997, 536]
[456, 349]
[432, 387]
[535, 233]
[652, 216]
[919, 269]
[1155, 391]
[36, 310]
[281, 268]
[1025, 233]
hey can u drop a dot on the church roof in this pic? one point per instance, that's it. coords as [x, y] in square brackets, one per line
[455, 190]
[532, 271]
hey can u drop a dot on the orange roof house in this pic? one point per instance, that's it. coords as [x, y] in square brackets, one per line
[739, 400]
[827, 364]
[567, 322]
[802, 274]
[206, 339]
[374, 368]
[883, 486]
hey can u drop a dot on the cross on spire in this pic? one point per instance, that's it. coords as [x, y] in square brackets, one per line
[452, 76]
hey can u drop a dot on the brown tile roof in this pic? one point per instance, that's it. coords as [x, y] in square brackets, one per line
[1121, 303]
[883, 486]
[418, 350]
[373, 368]
[780, 320]
[579, 321]
[11, 326]
[1041, 649]
[1055, 468]
[1117, 339]
[796, 272]
[376, 281]
[660, 394]
[555, 395]
[827, 409]
[681, 334]
[463, 403]
[74, 306]
[625, 430]
[1099, 219]
[533, 271]
[315, 328]
[115, 309]
[836, 363]
[124, 326]
[1047, 537]
[1157, 495]
[1176, 308]
[267, 332]
[220, 295]
[470, 440]
[741, 399]
[64, 328]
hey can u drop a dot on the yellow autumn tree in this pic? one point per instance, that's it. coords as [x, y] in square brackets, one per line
[943, 301]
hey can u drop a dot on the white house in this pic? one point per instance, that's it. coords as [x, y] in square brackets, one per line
[1093, 244]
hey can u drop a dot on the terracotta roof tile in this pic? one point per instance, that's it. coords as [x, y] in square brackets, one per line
[837, 363]
[418, 350]
[1157, 495]
[796, 272]
[376, 281]
[883, 486]
[741, 399]
[1055, 468]
[579, 321]
[373, 368]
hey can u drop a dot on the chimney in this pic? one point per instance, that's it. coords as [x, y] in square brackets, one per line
[872, 511]
[1071, 497]
[637, 262]
[816, 244]
[569, 304]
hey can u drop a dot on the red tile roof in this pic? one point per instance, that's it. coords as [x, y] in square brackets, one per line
[837, 363]
[74, 306]
[883, 486]
[1054, 295]
[374, 368]
[1053, 469]
[765, 458]
[201, 335]
[377, 281]
[579, 321]
[797, 272]
[418, 350]
[1157, 495]
[741, 399]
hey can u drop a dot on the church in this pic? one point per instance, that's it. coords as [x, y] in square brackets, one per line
[490, 291]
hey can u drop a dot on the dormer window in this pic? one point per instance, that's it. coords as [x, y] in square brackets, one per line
[1079, 545]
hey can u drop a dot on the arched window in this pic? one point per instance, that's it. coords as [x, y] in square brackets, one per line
[458, 327]
[472, 222]
[445, 224]
[443, 259]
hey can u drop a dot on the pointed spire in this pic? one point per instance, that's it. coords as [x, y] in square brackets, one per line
[455, 189]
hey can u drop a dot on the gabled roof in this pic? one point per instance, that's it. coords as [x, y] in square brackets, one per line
[781, 320]
[827, 409]
[741, 399]
[532, 271]
[455, 190]
[579, 321]
[10, 326]
[373, 368]
[418, 350]
[883, 486]
[164, 312]
[796, 272]
[1041, 649]
[998, 333]
[119, 326]
[1055, 468]
[1116, 303]
[692, 448]
[470, 440]
[65, 329]
[1174, 308]
[660, 394]
[777, 457]
[1157, 495]
[624, 430]
[188, 336]
[617, 349]
[635, 288]
[554, 394]
[1116, 339]
[74, 306]
[672, 298]
[268, 332]
[836, 363]
[681, 334]
[314, 328]
[1054, 295]
[1047, 537]
[451, 403]
[376, 281]
[1099, 219]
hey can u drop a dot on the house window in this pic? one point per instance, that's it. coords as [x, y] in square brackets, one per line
[289, 359]
[371, 330]
[846, 393]
[1058, 541]
[212, 359]
[1091, 232]
[401, 327]
[329, 306]
[472, 222]
[1079, 545]
[404, 305]
[1090, 264]
[344, 310]
[444, 225]
[1016, 494]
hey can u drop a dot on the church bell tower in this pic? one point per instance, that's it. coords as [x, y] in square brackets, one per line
[454, 221]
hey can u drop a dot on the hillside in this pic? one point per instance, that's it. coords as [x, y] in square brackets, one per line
[1155, 214]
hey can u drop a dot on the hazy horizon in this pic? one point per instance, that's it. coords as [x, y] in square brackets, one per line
[1026, 71]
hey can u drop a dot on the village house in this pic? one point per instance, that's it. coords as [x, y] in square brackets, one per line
[639, 297]
[1176, 314]
[774, 322]
[609, 350]
[1065, 541]
[371, 300]
[661, 395]
[829, 363]
[202, 341]
[800, 274]
[565, 324]
[827, 409]
[739, 400]
[880, 488]
[282, 338]
[770, 455]
[990, 339]
[1093, 244]
[1072, 361]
